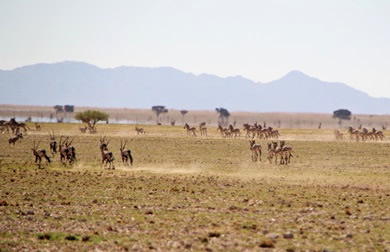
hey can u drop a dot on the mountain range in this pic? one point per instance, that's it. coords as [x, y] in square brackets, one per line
[82, 84]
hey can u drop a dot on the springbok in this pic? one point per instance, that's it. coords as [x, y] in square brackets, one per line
[14, 139]
[190, 129]
[39, 154]
[139, 130]
[107, 156]
[126, 154]
[53, 143]
[255, 150]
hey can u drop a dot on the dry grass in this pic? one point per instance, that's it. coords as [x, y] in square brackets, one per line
[187, 193]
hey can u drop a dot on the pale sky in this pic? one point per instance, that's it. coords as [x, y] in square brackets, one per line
[334, 40]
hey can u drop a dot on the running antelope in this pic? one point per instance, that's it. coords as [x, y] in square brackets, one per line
[107, 156]
[53, 144]
[14, 139]
[126, 154]
[190, 130]
[39, 154]
[378, 134]
[139, 130]
[353, 134]
[255, 150]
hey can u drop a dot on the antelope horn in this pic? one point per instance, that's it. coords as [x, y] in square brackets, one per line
[49, 134]
[125, 144]
[108, 142]
[71, 141]
[60, 141]
[38, 143]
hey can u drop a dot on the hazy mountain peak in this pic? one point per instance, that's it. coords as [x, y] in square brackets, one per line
[82, 84]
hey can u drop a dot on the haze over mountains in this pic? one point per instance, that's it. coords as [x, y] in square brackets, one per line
[83, 84]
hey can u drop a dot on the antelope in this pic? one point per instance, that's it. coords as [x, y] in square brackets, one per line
[286, 151]
[64, 151]
[224, 131]
[126, 154]
[139, 130]
[37, 126]
[338, 134]
[173, 123]
[14, 139]
[83, 130]
[107, 156]
[203, 129]
[353, 133]
[53, 144]
[249, 130]
[189, 129]
[255, 150]
[271, 152]
[378, 134]
[234, 131]
[72, 151]
[39, 154]
[319, 125]
[278, 152]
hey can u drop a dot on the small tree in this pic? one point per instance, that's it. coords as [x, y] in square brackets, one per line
[69, 108]
[223, 115]
[59, 108]
[342, 114]
[183, 113]
[159, 110]
[91, 117]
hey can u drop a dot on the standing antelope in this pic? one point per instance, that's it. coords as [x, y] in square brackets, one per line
[72, 151]
[203, 129]
[64, 151]
[83, 130]
[37, 126]
[53, 144]
[271, 152]
[39, 154]
[189, 129]
[139, 130]
[234, 131]
[107, 156]
[255, 150]
[286, 152]
[126, 154]
[14, 139]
